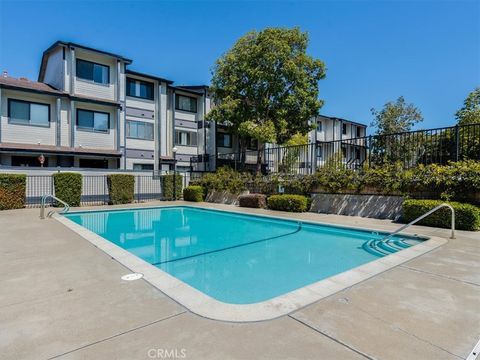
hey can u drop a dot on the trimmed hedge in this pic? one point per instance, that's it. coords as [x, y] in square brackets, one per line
[292, 203]
[68, 187]
[167, 186]
[193, 193]
[121, 188]
[253, 201]
[467, 216]
[12, 191]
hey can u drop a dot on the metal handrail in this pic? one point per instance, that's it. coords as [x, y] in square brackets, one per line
[66, 207]
[452, 236]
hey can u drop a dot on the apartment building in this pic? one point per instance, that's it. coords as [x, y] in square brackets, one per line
[89, 110]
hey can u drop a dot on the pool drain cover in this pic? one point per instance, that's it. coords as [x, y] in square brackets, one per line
[132, 277]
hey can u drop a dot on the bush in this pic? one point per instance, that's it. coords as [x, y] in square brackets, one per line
[193, 193]
[68, 187]
[467, 216]
[224, 179]
[121, 188]
[292, 203]
[253, 201]
[167, 186]
[12, 191]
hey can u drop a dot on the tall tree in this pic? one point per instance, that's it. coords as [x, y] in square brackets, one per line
[470, 112]
[266, 87]
[396, 117]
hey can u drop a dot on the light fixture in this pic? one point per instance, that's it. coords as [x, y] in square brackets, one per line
[174, 149]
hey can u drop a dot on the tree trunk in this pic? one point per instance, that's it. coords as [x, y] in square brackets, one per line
[260, 157]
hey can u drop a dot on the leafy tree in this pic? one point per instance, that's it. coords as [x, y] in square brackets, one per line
[396, 117]
[470, 112]
[266, 87]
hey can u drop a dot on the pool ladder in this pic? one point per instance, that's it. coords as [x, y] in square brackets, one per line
[385, 245]
[65, 209]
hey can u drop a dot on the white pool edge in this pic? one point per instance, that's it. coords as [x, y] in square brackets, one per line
[206, 306]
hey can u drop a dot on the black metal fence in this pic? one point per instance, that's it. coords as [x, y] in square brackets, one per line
[412, 148]
[95, 189]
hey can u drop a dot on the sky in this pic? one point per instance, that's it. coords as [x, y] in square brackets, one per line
[375, 51]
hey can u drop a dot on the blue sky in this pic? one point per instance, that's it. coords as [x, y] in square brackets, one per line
[375, 51]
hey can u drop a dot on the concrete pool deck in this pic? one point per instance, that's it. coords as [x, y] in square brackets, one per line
[62, 297]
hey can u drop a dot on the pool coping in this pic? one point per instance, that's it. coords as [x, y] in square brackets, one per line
[208, 307]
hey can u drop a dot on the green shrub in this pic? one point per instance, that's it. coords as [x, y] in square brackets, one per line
[68, 187]
[467, 216]
[292, 203]
[336, 180]
[225, 179]
[121, 188]
[193, 193]
[167, 186]
[12, 191]
[253, 201]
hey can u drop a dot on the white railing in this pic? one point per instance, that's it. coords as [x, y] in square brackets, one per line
[452, 236]
[65, 209]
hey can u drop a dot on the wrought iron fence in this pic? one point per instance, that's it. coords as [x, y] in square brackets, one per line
[412, 148]
[95, 189]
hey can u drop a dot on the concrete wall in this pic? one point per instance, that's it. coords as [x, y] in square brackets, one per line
[371, 206]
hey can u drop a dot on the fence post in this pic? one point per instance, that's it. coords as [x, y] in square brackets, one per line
[457, 141]
[369, 151]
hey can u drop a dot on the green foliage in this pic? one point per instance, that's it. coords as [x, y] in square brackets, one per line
[121, 188]
[467, 216]
[68, 187]
[287, 202]
[193, 193]
[470, 112]
[12, 191]
[225, 179]
[396, 117]
[253, 201]
[386, 179]
[336, 180]
[168, 189]
[266, 86]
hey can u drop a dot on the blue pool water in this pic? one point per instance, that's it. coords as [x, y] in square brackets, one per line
[232, 257]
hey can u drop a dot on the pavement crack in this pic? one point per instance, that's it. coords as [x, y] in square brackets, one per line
[439, 275]
[333, 339]
[117, 335]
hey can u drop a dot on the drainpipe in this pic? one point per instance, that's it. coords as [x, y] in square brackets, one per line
[58, 124]
[173, 119]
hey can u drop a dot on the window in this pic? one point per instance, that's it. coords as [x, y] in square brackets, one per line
[344, 152]
[319, 126]
[140, 89]
[252, 144]
[139, 130]
[359, 131]
[224, 140]
[185, 138]
[88, 70]
[140, 167]
[93, 120]
[344, 129]
[28, 113]
[186, 103]
[319, 152]
[94, 163]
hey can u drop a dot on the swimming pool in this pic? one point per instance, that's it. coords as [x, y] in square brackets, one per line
[236, 258]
